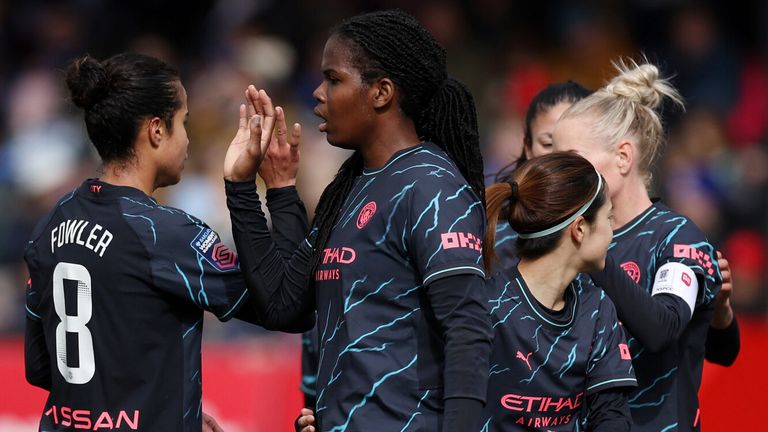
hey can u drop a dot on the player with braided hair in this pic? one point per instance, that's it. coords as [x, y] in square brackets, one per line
[440, 108]
[393, 265]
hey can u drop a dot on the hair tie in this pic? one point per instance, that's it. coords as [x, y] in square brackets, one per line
[515, 188]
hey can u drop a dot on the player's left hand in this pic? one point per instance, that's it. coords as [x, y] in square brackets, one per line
[723, 315]
[210, 424]
[281, 162]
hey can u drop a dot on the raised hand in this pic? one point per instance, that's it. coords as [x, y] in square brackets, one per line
[250, 143]
[281, 163]
[262, 106]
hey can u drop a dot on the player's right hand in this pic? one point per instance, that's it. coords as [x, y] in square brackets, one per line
[254, 133]
[306, 421]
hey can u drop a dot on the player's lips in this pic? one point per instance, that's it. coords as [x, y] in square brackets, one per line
[324, 125]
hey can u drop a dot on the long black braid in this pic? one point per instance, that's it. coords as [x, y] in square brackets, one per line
[393, 44]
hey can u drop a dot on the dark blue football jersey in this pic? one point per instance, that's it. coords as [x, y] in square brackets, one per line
[309, 344]
[409, 223]
[668, 381]
[505, 245]
[543, 365]
[118, 289]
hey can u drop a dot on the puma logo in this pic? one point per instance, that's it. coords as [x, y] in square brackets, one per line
[525, 358]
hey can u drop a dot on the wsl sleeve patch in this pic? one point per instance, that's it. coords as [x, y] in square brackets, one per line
[208, 244]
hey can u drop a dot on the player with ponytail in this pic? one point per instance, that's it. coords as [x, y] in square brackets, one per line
[556, 336]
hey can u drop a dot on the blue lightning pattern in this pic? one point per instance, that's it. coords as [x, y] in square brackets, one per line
[649, 241]
[343, 427]
[555, 360]
[397, 198]
[151, 225]
[569, 362]
[381, 287]
[546, 359]
[639, 392]
[413, 416]
[367, 311]
[434, 202]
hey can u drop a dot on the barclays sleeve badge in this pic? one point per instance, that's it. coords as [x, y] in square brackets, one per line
[208, 244]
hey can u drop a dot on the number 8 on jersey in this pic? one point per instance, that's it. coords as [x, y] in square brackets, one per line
[76, 324]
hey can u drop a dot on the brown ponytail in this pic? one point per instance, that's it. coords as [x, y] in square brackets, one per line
[550, 189]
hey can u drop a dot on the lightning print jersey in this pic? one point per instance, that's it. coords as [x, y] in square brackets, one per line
[118, 289]
[409, 223]
[668, 381]
[309, 344]
[545, 364]
[506, 251]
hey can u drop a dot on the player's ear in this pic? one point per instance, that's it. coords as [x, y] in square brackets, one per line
[382, 92]
[625, 153]
[578, 230]
[155, 131]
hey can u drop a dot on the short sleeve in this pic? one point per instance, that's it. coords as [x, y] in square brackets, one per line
[445, 229]
[610, 361]
[686, 244]
[189, 261]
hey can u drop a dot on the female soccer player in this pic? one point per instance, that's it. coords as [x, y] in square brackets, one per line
[393, 263]
[666, 302]
[558, 350]
[543, 111]
[119, 282]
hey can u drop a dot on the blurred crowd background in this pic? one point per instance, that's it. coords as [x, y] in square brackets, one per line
[714, 169]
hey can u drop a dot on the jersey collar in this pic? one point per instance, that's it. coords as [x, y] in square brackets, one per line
[560, 322]
[97, 189]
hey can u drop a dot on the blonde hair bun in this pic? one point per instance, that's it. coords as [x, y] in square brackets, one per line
[641, 84]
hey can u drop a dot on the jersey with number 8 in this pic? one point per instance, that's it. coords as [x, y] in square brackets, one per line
[74, 323]
[118, 286]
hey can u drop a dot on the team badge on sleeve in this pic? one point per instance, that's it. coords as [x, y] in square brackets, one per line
[208, 244]
[632, 269]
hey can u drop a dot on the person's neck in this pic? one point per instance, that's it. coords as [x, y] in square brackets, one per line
[630, 202]
[128, 175]
[548, 277]
[385, 141]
